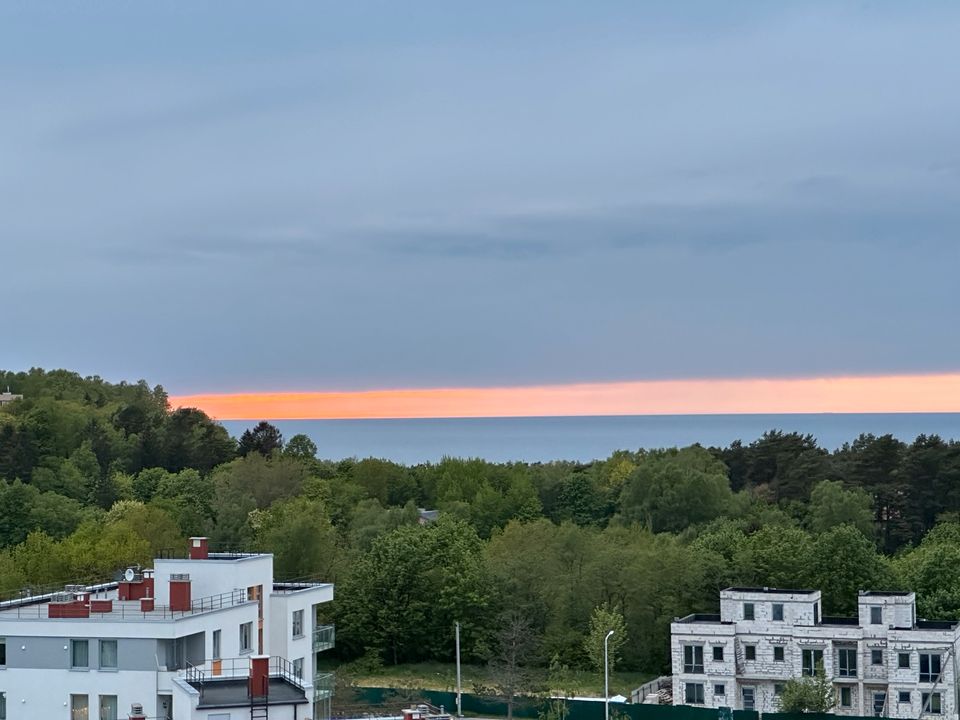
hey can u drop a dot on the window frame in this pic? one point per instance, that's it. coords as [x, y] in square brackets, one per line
[876, 615]
[298, 668]
[876, 656]
[3, 652]
[779, 650]
[776, 612]
[116, 707]
[930, 676]
[295, 621]
[699, 695]
[718, 650]
[844, 668]
[75, 643]
[116, 655]
[900, 700]
[849, 699]
[723, 690]
[931, 697]
[73, 709]
[3, 705]
[691, 665]
[900, 657]
[216, 644]
[816, 656]
[752, 614]
[246, 638]
[753, 697]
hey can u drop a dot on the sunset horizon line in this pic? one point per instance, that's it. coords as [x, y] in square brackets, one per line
[838, 394]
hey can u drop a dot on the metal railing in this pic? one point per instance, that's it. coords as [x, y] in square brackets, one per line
[324, 638]
[239, 668]
[129, 610]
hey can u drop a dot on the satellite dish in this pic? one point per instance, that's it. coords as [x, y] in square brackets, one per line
[130, 574]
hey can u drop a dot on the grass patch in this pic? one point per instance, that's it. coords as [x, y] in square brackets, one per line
[443, 676]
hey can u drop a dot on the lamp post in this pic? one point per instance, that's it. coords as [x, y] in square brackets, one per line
[459, 707]
[606, 679]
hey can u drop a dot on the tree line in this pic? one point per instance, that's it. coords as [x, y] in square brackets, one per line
[526, 557]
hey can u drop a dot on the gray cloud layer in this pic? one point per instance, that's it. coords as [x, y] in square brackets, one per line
[361, 195]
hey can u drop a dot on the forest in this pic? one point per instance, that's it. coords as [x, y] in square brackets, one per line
[96, 476]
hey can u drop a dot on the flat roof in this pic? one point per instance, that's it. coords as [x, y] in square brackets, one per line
[234, 693]
[770, 590]
[885, 593]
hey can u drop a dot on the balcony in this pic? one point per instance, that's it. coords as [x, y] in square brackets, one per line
[323, 684]
[324, 638]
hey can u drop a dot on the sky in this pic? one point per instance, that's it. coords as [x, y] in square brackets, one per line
[359, 196]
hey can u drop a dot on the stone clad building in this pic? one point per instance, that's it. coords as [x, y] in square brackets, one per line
[884, 662]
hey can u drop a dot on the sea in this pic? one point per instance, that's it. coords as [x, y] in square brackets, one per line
[542, 439]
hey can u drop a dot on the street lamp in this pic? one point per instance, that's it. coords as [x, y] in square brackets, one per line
[606, 679]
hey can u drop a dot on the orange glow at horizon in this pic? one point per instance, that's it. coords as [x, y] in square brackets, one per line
[852, 394]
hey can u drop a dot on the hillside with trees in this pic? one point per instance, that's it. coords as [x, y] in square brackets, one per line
[96, 476]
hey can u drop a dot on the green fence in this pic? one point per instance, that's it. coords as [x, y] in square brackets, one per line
[391, 700]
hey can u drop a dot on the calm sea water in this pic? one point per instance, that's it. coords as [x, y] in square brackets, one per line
[585, 438]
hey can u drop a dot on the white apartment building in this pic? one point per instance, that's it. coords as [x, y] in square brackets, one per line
[208, 636]
[884, 662]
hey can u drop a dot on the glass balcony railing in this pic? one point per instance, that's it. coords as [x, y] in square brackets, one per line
[324, 638]
[323, 683]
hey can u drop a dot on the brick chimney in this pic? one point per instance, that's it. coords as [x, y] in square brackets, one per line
[198, 548]
[180, 592]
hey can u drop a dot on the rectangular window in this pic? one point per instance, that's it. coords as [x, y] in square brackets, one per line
[904, 697]
[903, 660]
[3, 706]
[719, 689]
[876, 615]
[748, 611]
[3, 652]
[694, 693]
[778, 653]
[749, 699]
[216, 645]
[108, 707]
[846, 662]
[931, 703]
[79, 707]
[778, 612]
[246, 635]
[297, 623]
[108, 655]
[846, 697]
[298, 668]
[750, 652]
[80, 655]
[812, 659]
[879, 704]
[778, 689]
[929, 667]
[876, 657]
[693, 658]
[718, 653]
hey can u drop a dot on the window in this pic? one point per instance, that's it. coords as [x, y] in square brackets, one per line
[876, 615]
[778, 612]
[931, 703]
[80, 655]
[298, 668]
[693, 658]
[3, 706]
[778, 689]
[246, 633]
[749, 699]
[694, 693]
[718, 653]
[79, 707]
[719, 689]
[3, 652]
[903, 660]
[297, 623]
[876, 657]
[904, 697]
[750, 652]
[879, 704]
[108, 707]
[748, 611]
[108, 655]
[811, 659]
[778, 653]
[846, 697]
[846, 662]
[216, 645]
[929, 667]
[816, 614]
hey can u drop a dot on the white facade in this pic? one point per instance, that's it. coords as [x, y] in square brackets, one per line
[884, 662]
[181, 659]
